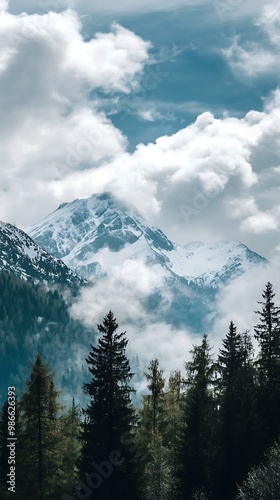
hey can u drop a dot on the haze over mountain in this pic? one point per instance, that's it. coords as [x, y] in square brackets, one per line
[162, 293]
[92, 235]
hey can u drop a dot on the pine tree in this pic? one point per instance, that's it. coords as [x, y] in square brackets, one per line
[172, 432]
[151, 413]
[158, 476]
[267, 333]
[107, 462]
[156, 382]
[236, 423]
[71, 428]
[41, 441]
[152, 454]
[263, 482]
[199, 415]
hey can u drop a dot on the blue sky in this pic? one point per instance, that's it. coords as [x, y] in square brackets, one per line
[187, 42]
[172, 106]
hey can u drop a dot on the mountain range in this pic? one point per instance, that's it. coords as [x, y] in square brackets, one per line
[78, 247]
[92, 235]
[20, 255]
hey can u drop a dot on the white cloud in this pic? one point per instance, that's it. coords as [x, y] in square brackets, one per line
[260, 223]
[3, 5]
[249, 61]
[251, 217]
[269, 21]
[57, 145]
[160, 340]
[124, 291]
[252, 59]
[202, 168]
[149, 115]
[49, 126]
[239, 300]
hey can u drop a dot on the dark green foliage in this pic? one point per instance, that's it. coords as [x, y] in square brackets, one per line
[154, 456]
[33, 319]
[109, 417]
[41, 441]
[267, 332]
[173, 428]
[71, 429]
[263, 482]
[196, 439]
[158, 478]
[154, 401]
[198, 448]
[236, 429]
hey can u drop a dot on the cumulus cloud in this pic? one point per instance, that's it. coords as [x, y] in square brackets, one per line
[252, 218]
[58, 144]
[210, 151]
[269, 21]
[209, 171]
[149, 115]
[250, 59]
[48, 73]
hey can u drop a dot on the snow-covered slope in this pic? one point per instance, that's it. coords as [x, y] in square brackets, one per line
[213, 264]
[92, 235]
[20, 254]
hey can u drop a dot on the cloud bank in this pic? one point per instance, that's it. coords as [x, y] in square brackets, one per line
[252, 59]
[216, 178]
[47, 75]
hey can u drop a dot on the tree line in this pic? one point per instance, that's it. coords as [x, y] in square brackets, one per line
[32, 318]
[209, 433]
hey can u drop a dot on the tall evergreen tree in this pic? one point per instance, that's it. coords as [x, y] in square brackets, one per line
[71, 428]
[107, 467]
[41, 441]
[236, 429]
[154, 457]
[197, 444]
[172, 431]
[156, 382]
[263, 482]
[267, 333]
[158, 476]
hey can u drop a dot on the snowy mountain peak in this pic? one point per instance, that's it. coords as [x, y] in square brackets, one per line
[20, 254]
[92, 235]
[80, 231]
[217, 262]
